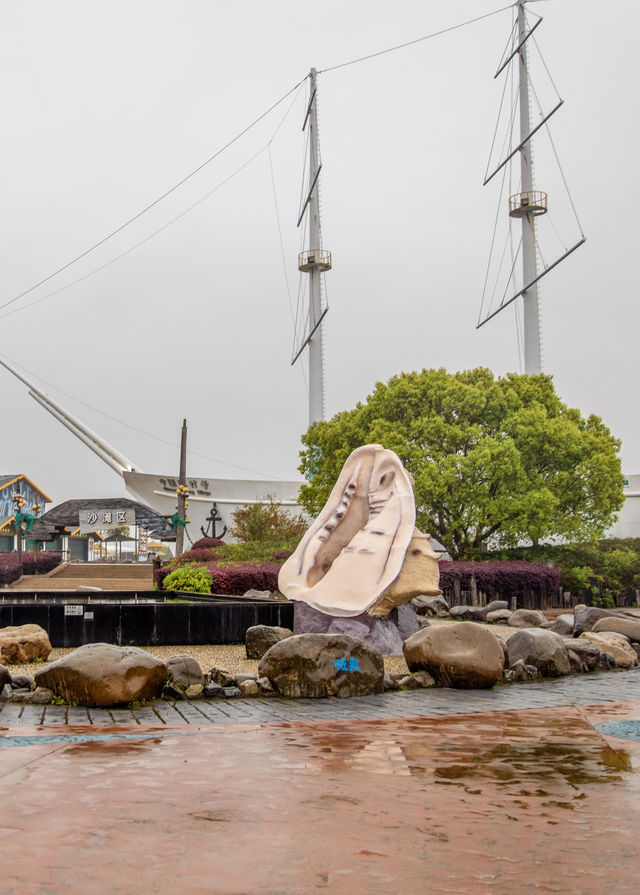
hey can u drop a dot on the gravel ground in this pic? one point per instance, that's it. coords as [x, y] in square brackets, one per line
[231, 657]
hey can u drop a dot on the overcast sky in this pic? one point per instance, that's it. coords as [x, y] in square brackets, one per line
[105, 106]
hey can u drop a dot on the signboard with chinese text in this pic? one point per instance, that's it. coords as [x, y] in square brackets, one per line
[99, 519]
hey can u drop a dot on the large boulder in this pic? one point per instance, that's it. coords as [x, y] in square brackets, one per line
[586, 652]
[23, 644]
[585, 618]
[477, 613]
[323, 665]
[630, 627]
[563, 624]
[462, 654]
[494, 606]
[425, 605]
[527, 618]
[102, 674]
[618, 645]
[466, 613]
[498, 616]
[184, 672]
[259, 638]
[544, 649]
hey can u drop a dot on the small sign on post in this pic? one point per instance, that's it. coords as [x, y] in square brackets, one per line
[99, 519]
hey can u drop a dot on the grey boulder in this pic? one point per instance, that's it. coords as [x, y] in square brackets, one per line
[417, 680]
[20, 681]
[563, 625]
[184, 671]
[617, 645]
[221, 677]
[316, 665]
[544, 649]
[588, 654]
[585, 618]
[618, 625]
[434, 606]
[259, 638]
[498, 616]
[519, 671]
[527, 618]
[465, 613]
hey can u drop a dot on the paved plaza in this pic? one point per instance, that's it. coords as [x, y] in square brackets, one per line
[521, 788]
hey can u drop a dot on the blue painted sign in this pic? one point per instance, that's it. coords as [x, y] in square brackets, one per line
[341, 664]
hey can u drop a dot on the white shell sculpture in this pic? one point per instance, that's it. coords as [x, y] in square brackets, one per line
[356, 547]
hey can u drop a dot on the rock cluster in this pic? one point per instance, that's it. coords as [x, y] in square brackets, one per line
[458, 654]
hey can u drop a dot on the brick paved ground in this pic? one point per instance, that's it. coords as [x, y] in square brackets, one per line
[611, 686]
[513, 790]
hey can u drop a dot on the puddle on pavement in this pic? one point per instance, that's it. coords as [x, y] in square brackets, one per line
[530, 755]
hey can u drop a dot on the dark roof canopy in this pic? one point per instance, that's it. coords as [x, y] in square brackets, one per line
[65, 516]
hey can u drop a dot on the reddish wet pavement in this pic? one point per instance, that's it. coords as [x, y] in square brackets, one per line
[514, 801]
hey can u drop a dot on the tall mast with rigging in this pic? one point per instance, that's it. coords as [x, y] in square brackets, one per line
[526, 206]
[314, 261]
[529, 203]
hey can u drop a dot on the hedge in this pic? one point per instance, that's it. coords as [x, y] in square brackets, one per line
[10, 568]
[40, 566]
[207, 542]
[233, 580]
[499, 579]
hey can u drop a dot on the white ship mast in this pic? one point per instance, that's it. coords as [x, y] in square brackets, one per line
[314, 261]
[528, 204]
[524, 206]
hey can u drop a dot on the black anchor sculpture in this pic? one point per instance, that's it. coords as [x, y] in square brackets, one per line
[212, 518]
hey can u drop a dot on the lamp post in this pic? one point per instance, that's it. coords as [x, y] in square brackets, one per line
[19, 501]
[36, 510]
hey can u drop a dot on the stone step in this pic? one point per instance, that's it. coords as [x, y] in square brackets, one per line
[38, 583]
[103, 570]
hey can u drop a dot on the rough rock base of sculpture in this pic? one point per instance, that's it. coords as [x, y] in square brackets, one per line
[386, 635]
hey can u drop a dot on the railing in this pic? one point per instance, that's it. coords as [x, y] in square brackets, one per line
[312, 259]
[529, 202]
[470, 595]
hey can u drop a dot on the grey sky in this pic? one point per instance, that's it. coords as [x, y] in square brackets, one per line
[106, 105]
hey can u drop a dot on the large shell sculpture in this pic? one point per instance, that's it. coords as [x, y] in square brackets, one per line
[351, 559]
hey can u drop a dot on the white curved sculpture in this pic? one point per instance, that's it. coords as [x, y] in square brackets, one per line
[356, 548]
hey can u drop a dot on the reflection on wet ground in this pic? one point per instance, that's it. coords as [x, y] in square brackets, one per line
[502, 802]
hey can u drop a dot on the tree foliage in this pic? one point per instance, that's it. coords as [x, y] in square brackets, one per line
[495, 460]
[266, 521]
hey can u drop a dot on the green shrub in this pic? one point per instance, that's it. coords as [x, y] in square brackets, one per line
[266, 521]
[189, 579]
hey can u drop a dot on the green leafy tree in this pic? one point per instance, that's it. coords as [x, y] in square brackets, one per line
[493, 460]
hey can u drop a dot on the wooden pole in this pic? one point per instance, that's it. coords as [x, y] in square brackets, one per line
[182, 480]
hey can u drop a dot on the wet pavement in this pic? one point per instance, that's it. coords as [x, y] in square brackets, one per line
[523, 788]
